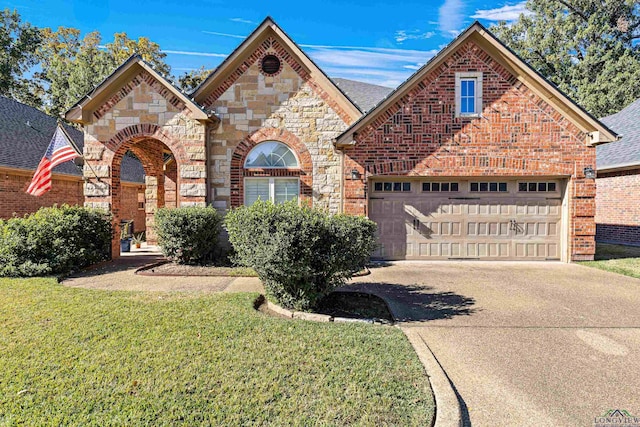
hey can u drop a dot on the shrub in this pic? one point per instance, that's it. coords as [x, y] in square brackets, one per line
[54, 241]
[189, 235]
[300, 254]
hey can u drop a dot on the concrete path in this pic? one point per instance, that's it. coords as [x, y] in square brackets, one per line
[120, 275]
[544, 344]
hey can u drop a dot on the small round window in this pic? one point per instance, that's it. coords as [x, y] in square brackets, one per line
[270, 65]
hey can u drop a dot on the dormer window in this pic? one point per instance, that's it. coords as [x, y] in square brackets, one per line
[468, 94]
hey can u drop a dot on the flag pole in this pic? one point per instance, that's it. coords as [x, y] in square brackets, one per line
[75, 147]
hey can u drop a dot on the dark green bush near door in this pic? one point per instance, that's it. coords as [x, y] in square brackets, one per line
[300, 254]
[189, 235]
[54, 241]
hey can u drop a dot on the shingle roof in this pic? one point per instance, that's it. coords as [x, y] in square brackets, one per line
[626, 151]
[365, 95]
[22, 146]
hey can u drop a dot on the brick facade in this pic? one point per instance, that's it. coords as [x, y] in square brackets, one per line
[617, 201]
[65, 189]
[519, 134]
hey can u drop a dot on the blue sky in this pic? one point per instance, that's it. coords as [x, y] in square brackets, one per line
[373, 41]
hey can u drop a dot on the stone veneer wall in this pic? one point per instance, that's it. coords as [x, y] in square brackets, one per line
[288, 102]
[518, 135]
[142, 116]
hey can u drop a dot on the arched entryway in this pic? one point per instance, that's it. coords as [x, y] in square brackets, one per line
[172, 177]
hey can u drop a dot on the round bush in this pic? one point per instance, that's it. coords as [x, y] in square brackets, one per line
[189, 235]
[300, 254]
[54, 241]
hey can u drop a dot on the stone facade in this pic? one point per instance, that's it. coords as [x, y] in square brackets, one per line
[146, 118]
[288, 102]
[617, 201]
[518, 134]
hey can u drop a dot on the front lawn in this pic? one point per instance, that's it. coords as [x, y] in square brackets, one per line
[81, 357]
[617, 259]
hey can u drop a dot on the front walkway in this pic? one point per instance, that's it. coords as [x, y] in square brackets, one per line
[545, 344]
[120, 275]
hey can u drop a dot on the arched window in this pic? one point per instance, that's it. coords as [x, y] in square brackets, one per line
[278, 189]
[271, 154]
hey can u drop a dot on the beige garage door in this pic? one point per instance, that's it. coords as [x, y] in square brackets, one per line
[467, 219]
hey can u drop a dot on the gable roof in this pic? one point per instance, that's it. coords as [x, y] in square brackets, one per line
[624, 153]
[598, 132]
[25, 134]
[81, 111]
[364, 95]
[268, 27]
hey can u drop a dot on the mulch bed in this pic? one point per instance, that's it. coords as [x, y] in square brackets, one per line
[354, 305]
[173, 269]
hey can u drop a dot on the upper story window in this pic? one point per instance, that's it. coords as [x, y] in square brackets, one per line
[468, 94]
[272, 155]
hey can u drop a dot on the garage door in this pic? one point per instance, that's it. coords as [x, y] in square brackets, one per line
[467, 219]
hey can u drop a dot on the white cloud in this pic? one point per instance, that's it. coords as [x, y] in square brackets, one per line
[190, 53]
[504, 13]
[450, 16]
[243, 21]
[235, 36]
[402, 35]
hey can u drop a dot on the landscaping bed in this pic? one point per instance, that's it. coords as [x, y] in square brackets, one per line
[354, 305]
[174, 269]
[81, 357]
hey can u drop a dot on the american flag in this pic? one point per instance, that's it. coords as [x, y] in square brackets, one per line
[59, 151]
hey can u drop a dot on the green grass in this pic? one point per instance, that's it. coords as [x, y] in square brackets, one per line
[617, 259]
[80, 357]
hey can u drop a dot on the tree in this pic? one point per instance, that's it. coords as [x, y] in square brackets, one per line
[18, 44]
[190, 80]
[123, 47]
[588, 48]
[73, 66]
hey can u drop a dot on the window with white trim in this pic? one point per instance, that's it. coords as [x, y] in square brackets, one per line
[468, 94]
[278, 189]
[272, 155]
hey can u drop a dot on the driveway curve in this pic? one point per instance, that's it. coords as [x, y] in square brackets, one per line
[544, 344]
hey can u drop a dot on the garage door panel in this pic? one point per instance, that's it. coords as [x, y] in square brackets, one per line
[490, 225]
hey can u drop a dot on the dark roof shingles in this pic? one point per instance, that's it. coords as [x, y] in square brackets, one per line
[626, 151]
[365, 95]
[22, 146]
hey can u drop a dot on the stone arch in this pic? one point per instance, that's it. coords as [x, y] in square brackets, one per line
[238, 172]
[141, 131]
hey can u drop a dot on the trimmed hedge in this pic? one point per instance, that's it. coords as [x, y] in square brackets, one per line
[56, 240]
[189, 235]
[300, 253]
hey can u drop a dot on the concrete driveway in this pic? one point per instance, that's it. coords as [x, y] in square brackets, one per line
[544, 344]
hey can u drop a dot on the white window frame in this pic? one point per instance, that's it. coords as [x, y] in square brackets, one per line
[272, 186]
[295, 155]
[477, 77]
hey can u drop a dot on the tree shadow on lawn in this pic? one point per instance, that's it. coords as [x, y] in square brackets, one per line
[414, 303]
[123, 263]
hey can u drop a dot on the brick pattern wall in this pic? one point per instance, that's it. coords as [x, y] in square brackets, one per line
[14, 200]
[618, 207]
[518, 135]
[64, 190]
[251, 103]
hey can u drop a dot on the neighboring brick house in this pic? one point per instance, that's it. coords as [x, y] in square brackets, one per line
[475, 156]
[25, 133]
[618, 182]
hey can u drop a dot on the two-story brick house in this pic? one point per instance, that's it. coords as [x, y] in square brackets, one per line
[475, 156]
